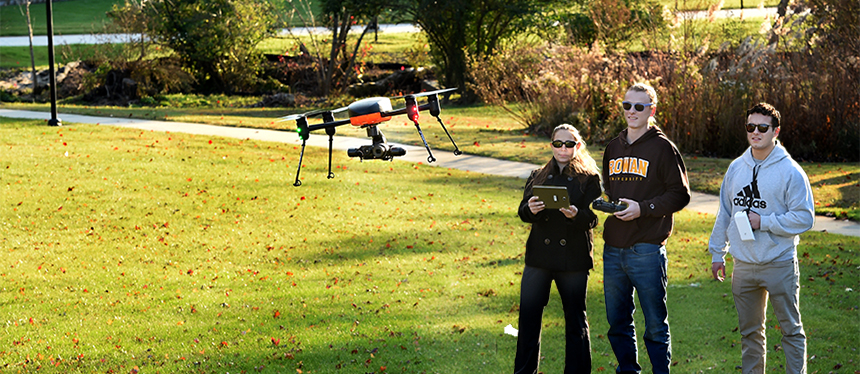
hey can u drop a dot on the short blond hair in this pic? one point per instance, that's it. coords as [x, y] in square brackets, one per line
[647, 88]
[652, 94]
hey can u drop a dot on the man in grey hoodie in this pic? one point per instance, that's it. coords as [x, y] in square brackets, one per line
[774, 198]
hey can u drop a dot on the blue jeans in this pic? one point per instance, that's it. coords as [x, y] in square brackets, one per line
[642, 268]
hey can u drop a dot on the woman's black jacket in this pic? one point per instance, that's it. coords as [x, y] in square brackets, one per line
[557, 243]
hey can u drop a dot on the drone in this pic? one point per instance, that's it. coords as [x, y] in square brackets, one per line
[368, 114]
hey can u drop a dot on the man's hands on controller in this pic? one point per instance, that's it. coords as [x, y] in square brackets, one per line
[624, 209]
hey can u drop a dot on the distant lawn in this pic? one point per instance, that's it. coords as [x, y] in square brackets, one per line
[19, 57]
[137, 251]
[70, 17]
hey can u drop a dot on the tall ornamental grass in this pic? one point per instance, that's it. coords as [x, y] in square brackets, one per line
[808, 66]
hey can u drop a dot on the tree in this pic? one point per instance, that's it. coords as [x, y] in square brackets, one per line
[475, 28]
[214, 39]
[24, 7]
[336, 70]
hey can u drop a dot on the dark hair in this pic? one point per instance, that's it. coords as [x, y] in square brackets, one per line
[767, 110]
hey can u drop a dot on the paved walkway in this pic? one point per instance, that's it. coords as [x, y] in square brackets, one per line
[59, 40]
[700, 202]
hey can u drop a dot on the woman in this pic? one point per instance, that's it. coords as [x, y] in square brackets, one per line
[559, 248]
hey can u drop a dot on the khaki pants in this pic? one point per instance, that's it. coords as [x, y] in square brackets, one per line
[752, 286]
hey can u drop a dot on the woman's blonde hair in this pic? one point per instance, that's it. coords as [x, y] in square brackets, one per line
[581, 164]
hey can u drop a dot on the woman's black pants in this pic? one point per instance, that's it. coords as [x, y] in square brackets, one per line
[534, 295]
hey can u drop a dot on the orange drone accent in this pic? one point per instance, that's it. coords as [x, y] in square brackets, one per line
[369, 111]
[368, 119]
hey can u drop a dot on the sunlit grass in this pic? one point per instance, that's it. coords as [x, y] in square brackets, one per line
[479, 130]
[70, 17]
[163, 252]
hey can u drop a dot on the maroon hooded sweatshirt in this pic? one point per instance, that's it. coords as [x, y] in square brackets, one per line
[650, 171]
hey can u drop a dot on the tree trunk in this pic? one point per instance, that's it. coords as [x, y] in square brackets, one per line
[327, 79]
[347, 75]
[32, 53]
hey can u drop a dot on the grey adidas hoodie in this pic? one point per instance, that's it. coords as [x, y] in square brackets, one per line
[778, 190]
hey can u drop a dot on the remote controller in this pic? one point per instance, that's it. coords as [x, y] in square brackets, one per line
[608, 207]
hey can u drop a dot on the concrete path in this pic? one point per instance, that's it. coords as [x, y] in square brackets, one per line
[700, 202]
[59, 40]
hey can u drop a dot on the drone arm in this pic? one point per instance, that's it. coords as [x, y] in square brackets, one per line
[400, 111]
[328, 125]
[393, 113]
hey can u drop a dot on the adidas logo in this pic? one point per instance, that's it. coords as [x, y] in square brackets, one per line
[749, 197]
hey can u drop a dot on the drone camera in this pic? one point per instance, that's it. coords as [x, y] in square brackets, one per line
[378, 151]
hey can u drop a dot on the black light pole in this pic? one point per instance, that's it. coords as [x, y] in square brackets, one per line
[54, 121]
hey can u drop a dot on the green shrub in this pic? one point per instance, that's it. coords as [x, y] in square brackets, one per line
[214, 41]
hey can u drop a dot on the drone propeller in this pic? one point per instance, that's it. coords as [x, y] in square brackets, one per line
[293, 117]
[428, 93]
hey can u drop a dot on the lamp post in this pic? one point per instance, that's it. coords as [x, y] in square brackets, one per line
[54, 121]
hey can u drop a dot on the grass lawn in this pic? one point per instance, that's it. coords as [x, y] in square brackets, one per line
[70, 17]
[136, 251]
[480, 130]
[19, 57]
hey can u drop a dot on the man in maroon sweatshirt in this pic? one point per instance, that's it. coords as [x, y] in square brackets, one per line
[642, 168]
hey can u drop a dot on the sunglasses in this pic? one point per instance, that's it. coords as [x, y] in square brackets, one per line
[762, 127]
[638, 106]
[569, 144]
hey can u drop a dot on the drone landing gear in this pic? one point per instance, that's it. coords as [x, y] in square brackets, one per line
[304, 133]
[430, 158]
[301, 156]
[457, 151]
[329, 117]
